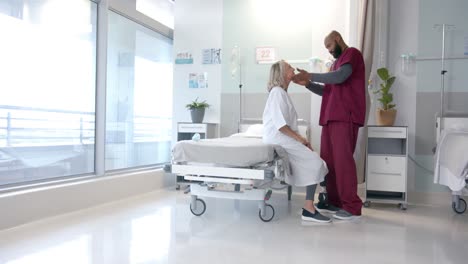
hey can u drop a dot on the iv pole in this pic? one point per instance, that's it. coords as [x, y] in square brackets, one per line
[236, 57]
[442, 80]
[443, 71]
[240, 95]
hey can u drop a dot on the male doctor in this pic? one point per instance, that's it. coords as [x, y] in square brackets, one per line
[342, 114]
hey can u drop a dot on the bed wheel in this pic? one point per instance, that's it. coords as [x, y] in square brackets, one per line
[461, 206]
[366, 204]
[199, 208]
[265, 217]
[403, 206]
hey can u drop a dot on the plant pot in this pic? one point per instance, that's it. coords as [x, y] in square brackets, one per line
[197, 115]
[385, 117]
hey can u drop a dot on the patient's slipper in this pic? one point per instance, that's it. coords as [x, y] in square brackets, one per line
[314, 217]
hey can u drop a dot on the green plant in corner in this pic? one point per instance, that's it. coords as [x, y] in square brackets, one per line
[386, 97]
[197, 105]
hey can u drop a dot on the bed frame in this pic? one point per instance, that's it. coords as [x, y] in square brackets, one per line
[238, 183]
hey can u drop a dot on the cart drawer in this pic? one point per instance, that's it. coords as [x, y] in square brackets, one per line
[387, 132]
[386, 173]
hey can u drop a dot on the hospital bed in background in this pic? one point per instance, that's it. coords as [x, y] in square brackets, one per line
[237, 167]
[451, 157]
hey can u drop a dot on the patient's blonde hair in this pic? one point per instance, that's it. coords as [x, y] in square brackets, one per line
[276, 75]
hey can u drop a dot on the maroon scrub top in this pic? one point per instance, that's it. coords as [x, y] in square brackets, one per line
[346, 101]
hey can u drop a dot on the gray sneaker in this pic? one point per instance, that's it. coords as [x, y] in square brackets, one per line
[326, 208]
[314, 217]
[345, 215]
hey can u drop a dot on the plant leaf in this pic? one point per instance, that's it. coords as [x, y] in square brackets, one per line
[390, 81]
[385, 89]
[383, 73]
[390, 96]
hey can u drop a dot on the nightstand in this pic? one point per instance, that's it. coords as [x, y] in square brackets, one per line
[185, 131]
[386, 165]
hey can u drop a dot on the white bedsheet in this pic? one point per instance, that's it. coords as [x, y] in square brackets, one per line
[240, 150]
[452, 159]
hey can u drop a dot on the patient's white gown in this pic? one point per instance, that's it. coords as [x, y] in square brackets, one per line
[306, 166]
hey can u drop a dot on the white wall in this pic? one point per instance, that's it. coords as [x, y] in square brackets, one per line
[403, 38]
[198, 25]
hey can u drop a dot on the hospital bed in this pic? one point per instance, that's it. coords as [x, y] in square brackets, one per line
[237, 167]
[451, 158]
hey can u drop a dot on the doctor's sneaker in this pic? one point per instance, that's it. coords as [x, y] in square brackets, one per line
[314, 217]
[326, 208]
[345, 215]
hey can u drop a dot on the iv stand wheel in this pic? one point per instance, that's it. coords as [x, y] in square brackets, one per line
[264, 216]
[461, 206]
[200, 207]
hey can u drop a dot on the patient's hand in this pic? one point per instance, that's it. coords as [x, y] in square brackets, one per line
[309, 146]
[306, 143]
[302, 78]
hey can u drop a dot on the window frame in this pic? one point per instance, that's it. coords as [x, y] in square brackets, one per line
[128, 10]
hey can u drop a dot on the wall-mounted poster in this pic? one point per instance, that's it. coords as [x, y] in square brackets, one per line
[211, 56]
[198, 80]
[184, 58]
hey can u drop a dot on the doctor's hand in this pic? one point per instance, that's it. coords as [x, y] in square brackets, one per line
[302, 78]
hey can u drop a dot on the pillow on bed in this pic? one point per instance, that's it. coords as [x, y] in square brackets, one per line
[253, 131]
[245, 135]
[256, 130]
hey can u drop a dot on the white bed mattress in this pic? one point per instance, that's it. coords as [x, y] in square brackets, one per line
[235, 151]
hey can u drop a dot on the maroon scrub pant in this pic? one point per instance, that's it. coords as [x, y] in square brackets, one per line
[337, 147]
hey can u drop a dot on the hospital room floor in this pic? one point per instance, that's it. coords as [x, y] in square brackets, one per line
[159, 228]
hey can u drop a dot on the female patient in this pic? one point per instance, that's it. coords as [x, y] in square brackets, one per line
[280, 127]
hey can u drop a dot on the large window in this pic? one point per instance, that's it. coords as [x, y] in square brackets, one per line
[160, 10]
[48, 84]
[47, 88]
[139, 95]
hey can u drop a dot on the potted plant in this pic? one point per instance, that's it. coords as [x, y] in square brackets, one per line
[385, 115]
[197, 110]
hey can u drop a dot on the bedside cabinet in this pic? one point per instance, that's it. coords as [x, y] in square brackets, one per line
[185, 131]
[386, 165]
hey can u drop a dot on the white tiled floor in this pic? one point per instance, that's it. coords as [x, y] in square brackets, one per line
[159, 228]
